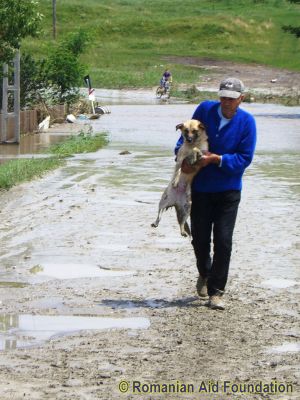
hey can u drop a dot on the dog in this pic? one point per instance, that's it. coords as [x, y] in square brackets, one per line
[178, 192]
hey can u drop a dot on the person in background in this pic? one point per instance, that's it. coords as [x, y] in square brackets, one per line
[166, 78]
[216, 189]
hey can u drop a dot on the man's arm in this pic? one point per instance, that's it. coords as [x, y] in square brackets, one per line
[236, 163]
[178, 145]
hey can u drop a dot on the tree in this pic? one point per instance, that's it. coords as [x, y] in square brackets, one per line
[56, 79]
[19, 18]
[64, 70]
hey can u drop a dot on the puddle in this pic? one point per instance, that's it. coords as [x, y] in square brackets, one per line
[286, 348]
[29, 145]
[138, 96]
[279, 283]
[73, 271]
[290, 312]
[17, 331]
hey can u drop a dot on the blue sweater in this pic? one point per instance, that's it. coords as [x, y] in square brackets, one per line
[235, 142]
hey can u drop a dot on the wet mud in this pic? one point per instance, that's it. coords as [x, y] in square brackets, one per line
[92, 296]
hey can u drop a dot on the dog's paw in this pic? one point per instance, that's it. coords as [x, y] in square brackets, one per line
[184, 234]
[196, 150]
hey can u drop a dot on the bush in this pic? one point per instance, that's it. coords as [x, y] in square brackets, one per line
[54, 80]
[34, 81]
[295, 30]
[64, 70]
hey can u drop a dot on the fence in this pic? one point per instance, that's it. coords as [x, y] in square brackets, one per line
[29, 120]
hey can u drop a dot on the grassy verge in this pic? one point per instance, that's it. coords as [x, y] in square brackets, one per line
[82, 143]
[131, 39]
[193, 95]
[21, 170]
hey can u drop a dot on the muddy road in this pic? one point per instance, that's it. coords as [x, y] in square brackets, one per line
[92, 296]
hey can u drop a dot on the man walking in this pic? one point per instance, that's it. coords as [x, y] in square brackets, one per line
[216, 189]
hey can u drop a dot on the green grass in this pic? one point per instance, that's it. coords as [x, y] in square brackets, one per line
[21, 170]
[17, 171]
[82, 143]
[131, 39]
[193, 95]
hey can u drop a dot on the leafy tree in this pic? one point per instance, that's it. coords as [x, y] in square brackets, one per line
[54, 80]
[76, 42]
[19, 18]
[34, 81]
[64, 70]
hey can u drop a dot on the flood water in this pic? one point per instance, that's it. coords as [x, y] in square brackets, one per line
[30, 145]
[60, 270]
[145, 127]
[271, 184]
[27, 330]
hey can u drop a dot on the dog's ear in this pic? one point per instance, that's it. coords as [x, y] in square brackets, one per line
[200, 125]
[179, 126]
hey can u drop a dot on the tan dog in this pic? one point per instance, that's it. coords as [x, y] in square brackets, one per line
[178, 193]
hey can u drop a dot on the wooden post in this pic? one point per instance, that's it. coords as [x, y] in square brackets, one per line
[17, 96]
[4, 110]
[54, 18]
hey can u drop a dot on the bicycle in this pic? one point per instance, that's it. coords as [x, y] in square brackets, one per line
[163, 90]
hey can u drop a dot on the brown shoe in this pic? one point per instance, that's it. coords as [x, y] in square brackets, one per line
[201, 286]
[216, 303]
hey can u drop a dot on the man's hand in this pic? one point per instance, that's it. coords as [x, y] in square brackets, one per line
[206, 159]
[209, 158]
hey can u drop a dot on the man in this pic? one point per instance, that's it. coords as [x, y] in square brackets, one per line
[216, 189]
[166, 78]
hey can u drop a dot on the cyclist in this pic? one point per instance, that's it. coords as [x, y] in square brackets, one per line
[166, 79]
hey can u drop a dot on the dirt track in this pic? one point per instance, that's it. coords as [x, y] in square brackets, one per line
[257, 78]
[96, 212]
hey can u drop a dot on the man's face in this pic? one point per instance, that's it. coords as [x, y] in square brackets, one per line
[229, 105]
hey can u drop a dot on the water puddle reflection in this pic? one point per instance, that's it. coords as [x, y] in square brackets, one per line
[17, 331]
[73, 271]
[275, 283]
[286, 348]
[29, 146]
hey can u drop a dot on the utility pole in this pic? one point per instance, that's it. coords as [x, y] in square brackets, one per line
[54, 18]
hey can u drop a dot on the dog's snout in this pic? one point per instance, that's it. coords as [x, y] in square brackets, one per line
[189, 139]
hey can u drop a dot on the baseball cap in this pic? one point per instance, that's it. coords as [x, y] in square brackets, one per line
[231, 87]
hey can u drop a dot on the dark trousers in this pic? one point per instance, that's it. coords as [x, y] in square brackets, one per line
[214, 213]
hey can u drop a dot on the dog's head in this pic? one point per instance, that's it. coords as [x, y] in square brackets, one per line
[191, 130]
